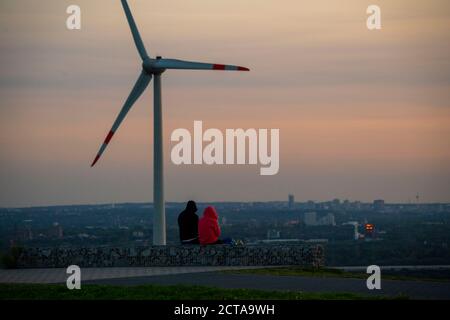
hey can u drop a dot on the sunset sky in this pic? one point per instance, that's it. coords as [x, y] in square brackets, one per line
[362, 114]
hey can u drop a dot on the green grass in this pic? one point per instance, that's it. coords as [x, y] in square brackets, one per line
[157, 292]
[326, 273]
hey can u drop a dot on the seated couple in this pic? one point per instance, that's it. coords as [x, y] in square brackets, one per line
[204, 231]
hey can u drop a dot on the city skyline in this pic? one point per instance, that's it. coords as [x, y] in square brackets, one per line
[362, 114]
[310, 204]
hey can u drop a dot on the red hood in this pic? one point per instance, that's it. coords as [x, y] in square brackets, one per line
[210, 213]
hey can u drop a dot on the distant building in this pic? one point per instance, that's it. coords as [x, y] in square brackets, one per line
[336, 202]
[378, 205]
[273, 234]
[26, 234]
[292, 223]
[279, 241]
[310, 205]
[316, 241]
[291, 201]
[56, 231]
[327, 220]
[355, 224]
[346, 204]
[138, 234]
[310, 218]
[356, 205]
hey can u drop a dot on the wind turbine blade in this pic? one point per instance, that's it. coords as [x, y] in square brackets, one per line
[141, 84]
[134, 31]
[190, 65]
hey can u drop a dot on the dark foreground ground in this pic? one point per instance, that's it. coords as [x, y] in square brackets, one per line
[412, 289]
[158, 292]
[287, 282]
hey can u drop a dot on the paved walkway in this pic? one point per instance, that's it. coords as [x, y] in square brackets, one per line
[58, 275]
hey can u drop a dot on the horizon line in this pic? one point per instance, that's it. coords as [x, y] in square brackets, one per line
[218, 202]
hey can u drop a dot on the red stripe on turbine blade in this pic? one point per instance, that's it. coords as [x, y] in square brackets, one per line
[95, 160]
[109, 137]
[219, 67]
[243, 69]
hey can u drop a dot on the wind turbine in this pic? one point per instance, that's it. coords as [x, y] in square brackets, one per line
[154, 68]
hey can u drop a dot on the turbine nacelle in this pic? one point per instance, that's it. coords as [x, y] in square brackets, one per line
[150, 66]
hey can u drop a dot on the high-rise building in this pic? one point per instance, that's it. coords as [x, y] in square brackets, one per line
[291, 201]
[327, 220]
[309, 218]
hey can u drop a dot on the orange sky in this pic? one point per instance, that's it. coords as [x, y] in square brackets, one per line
[362, 114]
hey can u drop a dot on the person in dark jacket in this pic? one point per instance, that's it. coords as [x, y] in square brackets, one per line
[188, 224]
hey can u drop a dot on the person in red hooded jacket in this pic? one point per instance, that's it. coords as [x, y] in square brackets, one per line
[208, 227]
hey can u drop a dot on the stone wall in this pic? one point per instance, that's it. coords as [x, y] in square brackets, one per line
[193, 255]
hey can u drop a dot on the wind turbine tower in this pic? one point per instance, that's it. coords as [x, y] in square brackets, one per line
[154, 68]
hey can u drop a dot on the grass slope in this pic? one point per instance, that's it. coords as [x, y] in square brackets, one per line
[156, 292]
